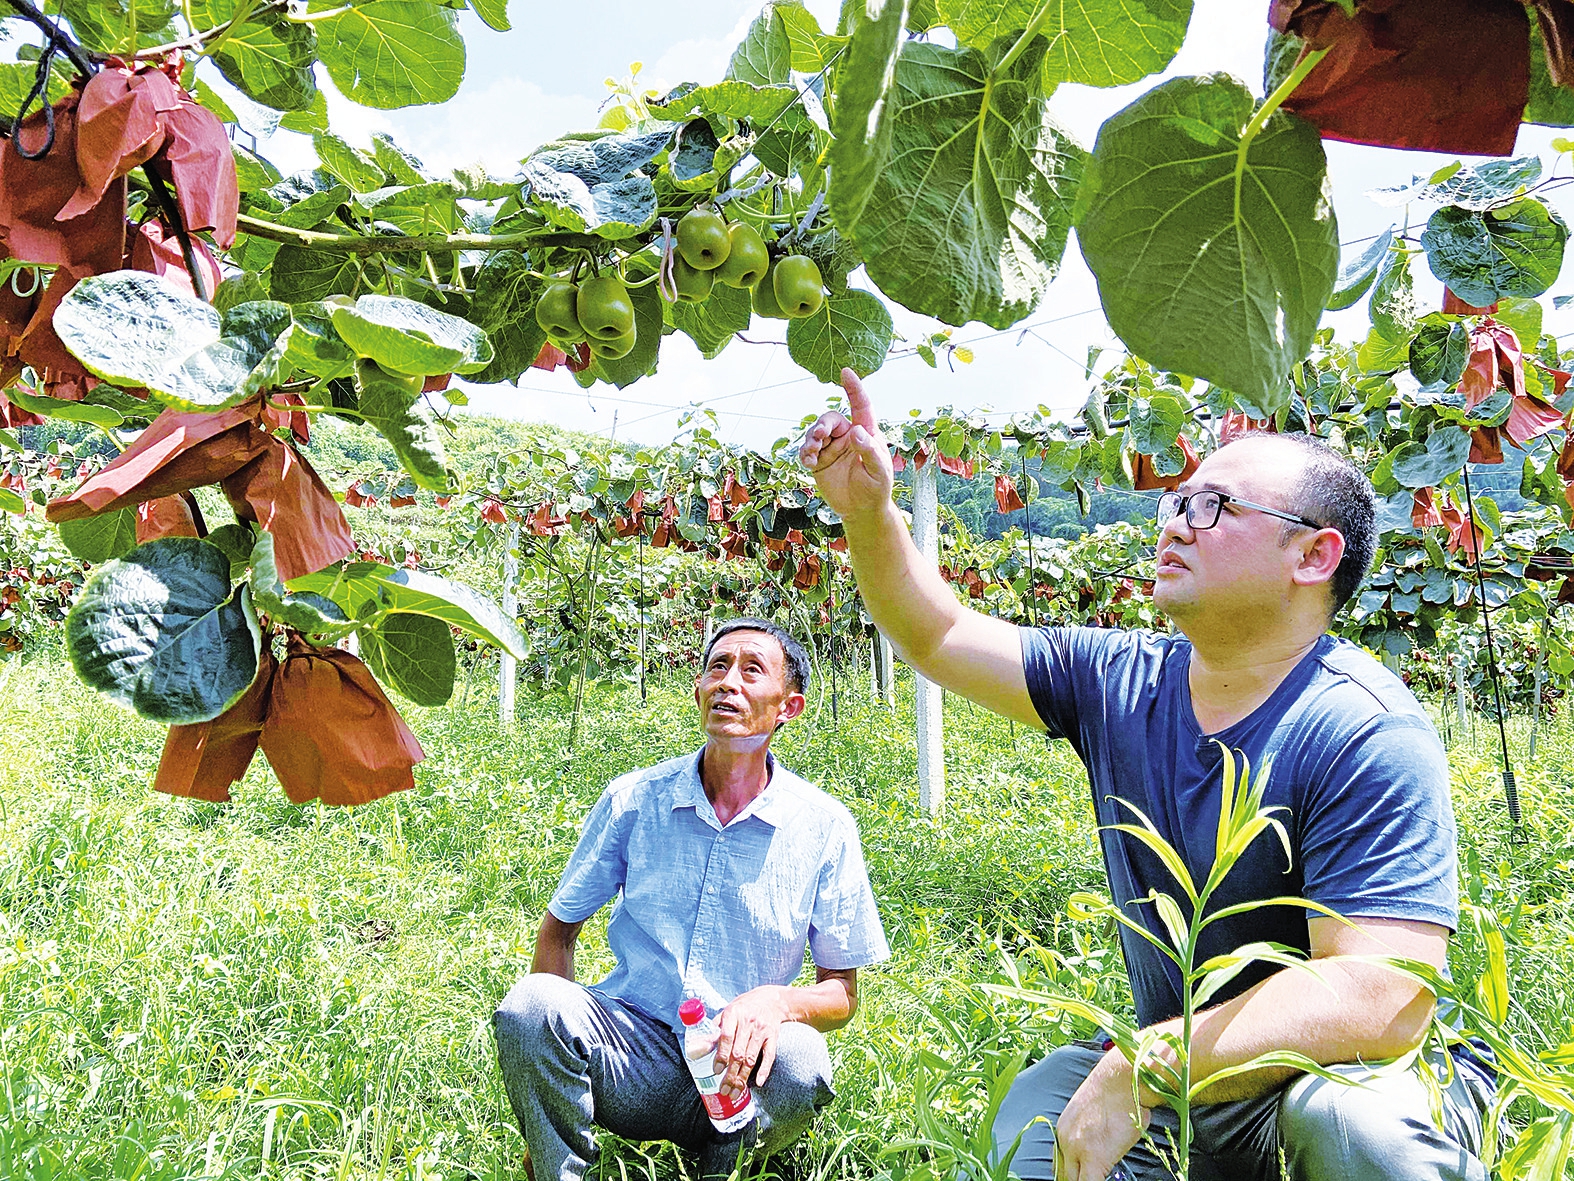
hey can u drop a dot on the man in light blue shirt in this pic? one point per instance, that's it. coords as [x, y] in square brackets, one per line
[725, 865]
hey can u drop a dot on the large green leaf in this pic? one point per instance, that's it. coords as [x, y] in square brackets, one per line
[765, 55]
[811, 47]
[268, 58]
[16, 81]
[130, 327]
[133, 329]
[505, 307]
[851, 329]
[968, 220]
[1210, 261]
[349, 163]
[1155, 423]
[586, 186]
[713, 322]
[98, 539]
[120, 26]
[1438, 353]
[405, 336]
[399, 413]
[1478, 187]
[43, 404]
[361, 588]
[393, 53]
[315, 344]
[1393, 306]
[613, 209]
[493, 12]
[249, 357]
[1357, 276]
[318, 618]
[299, 275]
[1524, 316]
[863, 110]
[413, 653]
[396, 162]
[160, 631]
[1094, 42]
[1418, 466]
[1508, 250]
[731, 100]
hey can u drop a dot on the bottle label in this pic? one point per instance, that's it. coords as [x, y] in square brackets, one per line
[717, 1106]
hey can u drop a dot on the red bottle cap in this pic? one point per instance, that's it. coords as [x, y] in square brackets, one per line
[692, 1011]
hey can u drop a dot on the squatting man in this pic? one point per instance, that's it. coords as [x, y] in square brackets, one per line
[724, 865]
[1256, 552]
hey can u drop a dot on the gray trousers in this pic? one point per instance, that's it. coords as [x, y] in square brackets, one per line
[573, 1060]
[1327, 1131]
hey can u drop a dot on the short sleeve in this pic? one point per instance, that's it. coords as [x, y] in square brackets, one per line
[598, 866]
[1062, 666]
[1378, 838]
[844, 926]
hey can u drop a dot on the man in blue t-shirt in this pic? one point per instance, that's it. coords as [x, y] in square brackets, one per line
[1257, 550]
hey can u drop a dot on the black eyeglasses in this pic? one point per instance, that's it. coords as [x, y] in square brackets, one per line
[1202, 509]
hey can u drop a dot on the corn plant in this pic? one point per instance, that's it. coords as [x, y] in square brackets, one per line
[1162, 1057]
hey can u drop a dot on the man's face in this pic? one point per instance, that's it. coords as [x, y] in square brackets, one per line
[742, 690]
[1238, 565]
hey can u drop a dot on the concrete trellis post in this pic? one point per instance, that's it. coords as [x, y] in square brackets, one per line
[930, 727]
[508, 676]
[1459, 689]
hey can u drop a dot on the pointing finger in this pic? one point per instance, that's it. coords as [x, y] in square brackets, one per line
[858, 401]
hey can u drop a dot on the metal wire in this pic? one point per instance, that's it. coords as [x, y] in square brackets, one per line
[1510, 792]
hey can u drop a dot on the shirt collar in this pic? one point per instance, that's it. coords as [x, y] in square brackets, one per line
[770, 805]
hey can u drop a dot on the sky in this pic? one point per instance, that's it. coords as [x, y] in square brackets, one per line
[549, 75]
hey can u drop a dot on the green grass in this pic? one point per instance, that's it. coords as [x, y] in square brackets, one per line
[189, 990]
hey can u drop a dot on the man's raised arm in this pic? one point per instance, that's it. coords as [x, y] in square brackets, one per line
[967, 652]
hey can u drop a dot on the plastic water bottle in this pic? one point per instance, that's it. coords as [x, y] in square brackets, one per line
[699, 1045]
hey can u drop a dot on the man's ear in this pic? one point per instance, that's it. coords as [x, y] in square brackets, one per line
[1321, 554]
[792, 706]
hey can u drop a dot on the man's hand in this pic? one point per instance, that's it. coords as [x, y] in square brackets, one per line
[848, 457]
[748, 1034]
[1101, 1124]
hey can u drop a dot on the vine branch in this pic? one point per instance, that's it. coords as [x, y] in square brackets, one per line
[386, 243]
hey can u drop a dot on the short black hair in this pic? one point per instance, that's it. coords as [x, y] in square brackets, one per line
[1334, 492]
[795, 661]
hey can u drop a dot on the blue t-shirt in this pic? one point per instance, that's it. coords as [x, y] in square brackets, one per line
[1356, 762]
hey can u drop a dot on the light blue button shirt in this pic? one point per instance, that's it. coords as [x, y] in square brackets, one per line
[712, 911]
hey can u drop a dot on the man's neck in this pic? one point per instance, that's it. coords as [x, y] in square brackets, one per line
[733, 776]
[1231, 678]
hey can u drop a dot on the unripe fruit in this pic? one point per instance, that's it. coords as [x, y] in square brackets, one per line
[556, 312]
[604, 308]
[702, 239]
[693, 286]
[798, 286]
[613, 349]
[747, 259]
[765, 298]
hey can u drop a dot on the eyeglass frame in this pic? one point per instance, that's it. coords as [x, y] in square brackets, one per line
[1183, 505]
